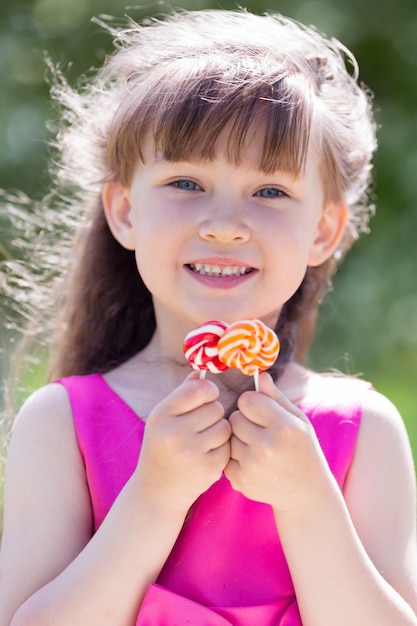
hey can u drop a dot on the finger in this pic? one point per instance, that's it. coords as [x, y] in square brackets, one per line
[258, 409]
[237, 448]
[243, 428]
[232, 472]
[219, 458]
[191, 394]
[268, 387]
[204, 417]
[269, 404]
[217, 436]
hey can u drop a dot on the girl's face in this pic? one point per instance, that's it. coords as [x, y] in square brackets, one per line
[218, 241]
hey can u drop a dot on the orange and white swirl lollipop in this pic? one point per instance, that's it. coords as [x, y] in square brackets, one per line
[249, 345]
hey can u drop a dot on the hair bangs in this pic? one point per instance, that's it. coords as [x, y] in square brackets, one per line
[186, 120]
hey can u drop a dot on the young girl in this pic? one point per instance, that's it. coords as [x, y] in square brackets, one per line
[222, 161]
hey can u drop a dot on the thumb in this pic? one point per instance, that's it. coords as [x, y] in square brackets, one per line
[193, 375]
[269, 388]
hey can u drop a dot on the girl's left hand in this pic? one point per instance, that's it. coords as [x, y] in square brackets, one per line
[275, 454]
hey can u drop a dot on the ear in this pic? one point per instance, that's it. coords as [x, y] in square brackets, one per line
[330, 230]
[117, 209]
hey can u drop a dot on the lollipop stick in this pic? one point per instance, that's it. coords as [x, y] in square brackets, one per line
[202, 374]
[256, 379]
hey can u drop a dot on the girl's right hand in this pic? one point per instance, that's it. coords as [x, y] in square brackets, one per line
[186, 444]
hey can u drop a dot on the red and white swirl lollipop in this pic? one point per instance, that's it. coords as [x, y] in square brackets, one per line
[249, 345]
[200, 348]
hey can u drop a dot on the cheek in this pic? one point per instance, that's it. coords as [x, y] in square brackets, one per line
[157, 249]
[288, 248]
[288, 239]
[161, 226]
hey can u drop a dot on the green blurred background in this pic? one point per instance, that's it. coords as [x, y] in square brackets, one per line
[369, 323]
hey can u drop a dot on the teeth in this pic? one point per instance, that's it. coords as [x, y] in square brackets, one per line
[216, 270]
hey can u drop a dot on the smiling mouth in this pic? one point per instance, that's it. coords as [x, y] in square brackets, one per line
[206, 269]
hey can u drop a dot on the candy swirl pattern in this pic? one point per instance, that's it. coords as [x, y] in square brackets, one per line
[200, 347]
[248, 345]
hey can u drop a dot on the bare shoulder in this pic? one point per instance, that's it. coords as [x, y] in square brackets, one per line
[380, 420]
[335, 385]
[43, 436]
[302, 385]
[380, 417]
[46, 413]
[383, 439]
[45, 487]
[383, 448]
[383, 470]
[43, 453]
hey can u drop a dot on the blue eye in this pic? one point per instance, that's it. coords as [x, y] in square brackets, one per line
[269, 192]
[187, 185]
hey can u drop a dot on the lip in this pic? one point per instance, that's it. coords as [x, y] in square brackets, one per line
[221, 261]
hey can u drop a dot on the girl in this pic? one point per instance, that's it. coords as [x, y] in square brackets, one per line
[220, 162]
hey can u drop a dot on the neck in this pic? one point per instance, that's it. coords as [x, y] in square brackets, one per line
[166, 345]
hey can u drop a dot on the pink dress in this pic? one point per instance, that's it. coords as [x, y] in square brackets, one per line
[227, 566]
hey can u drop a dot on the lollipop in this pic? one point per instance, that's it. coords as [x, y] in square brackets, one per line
[250, 346]
[200, 348]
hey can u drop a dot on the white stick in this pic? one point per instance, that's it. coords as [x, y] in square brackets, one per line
[202, 374]
[256, 379]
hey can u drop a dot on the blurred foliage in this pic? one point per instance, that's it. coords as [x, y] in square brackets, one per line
[369, 323]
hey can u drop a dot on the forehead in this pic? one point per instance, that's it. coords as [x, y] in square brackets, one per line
[250, 153]
[264, 118]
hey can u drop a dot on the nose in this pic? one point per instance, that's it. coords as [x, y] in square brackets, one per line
[225, 225]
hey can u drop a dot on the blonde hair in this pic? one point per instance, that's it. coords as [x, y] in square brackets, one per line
[185, 79]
